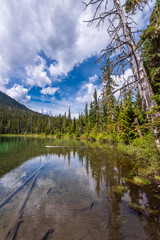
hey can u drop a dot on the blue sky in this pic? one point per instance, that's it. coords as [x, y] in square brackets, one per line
[48, 53]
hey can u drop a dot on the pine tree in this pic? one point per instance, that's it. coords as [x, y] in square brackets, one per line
[133, 5]
[126, 118]
[86, 114]
[74, 125]
[69, 122]
[91, 116]
[80, 127]
[108, 99]
[95, 111]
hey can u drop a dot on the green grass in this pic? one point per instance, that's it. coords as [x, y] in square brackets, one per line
[147, 157]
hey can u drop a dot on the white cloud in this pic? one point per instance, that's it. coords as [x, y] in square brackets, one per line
[85, 94]
[49, 90]
[37, 74]
[3, 82]
[93, 78]
[58, 69]
[19, 93]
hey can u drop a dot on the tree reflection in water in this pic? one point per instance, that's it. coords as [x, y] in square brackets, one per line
[92, 177]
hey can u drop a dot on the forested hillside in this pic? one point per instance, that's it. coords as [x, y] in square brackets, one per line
[15, 118]
[7, 103]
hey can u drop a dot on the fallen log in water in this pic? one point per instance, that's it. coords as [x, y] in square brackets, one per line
[19, 188]
[47, 233]
[20, 179]
[59, 146]
[18, 215]
[38, 204]
[89, 207]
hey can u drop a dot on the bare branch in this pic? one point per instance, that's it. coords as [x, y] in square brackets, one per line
[124, 86]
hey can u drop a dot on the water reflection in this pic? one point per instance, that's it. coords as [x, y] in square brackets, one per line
[78, 194]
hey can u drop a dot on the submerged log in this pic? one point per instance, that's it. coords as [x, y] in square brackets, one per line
[91, 205]
[47, 233]
[38, 204]
[20, 179]
[18, 215]
[19, 188]
[88, 207]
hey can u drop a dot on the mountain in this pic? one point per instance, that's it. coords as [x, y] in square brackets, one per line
[8, 103]
[15, 118]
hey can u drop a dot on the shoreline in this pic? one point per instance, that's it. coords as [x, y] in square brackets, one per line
[143, 150]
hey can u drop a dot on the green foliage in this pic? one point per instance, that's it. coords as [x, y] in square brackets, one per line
[157, 177]
[147, 157]
[59, 135]
[120, 190]
[150, 47]
[93, 133]
[133, 5]
[141, 181]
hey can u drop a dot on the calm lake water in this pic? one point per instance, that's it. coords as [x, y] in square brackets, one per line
[68, 190]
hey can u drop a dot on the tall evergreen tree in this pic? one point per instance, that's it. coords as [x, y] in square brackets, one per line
[126, 117]
[108, 99]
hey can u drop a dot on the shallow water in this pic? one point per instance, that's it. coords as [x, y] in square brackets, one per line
[75, 195]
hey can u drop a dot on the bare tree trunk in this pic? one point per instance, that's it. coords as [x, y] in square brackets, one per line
[138, 128]
[139, 72]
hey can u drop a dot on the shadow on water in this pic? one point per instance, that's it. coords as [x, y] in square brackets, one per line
[78, 192]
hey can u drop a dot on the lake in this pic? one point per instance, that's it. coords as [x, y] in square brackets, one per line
[68, 190]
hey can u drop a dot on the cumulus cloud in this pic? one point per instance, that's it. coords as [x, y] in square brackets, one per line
[58, 69]
[19, 93]
[49, 90]
[3, 83]
[37, 74]
[4, 80]
[93, 78]
[85, 94]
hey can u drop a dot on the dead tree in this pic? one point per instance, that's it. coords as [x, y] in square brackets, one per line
[122, 49]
